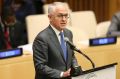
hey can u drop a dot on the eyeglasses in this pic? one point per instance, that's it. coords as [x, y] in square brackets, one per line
[61, 16]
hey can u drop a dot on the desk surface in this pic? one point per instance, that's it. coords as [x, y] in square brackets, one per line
[22, 66]
[17, 68]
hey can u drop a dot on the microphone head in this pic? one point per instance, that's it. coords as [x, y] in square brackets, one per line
[70, 43]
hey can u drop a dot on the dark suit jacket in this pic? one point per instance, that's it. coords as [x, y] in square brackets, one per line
[48, 56]
[114, 28]
[2, 41]
[18, 35]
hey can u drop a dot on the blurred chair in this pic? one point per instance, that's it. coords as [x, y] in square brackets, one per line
[85, 21]
[102, 28]
[35, 24]
[78, 35]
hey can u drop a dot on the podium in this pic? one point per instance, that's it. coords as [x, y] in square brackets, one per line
[103, 72]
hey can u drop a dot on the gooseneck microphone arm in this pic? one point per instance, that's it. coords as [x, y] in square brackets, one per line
[74, 48]
[93, 65]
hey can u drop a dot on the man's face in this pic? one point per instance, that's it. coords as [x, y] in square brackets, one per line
[59, 18]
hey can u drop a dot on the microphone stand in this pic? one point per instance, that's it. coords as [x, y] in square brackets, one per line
[74, 48]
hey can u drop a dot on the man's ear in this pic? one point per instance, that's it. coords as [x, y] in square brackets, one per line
[49, 16]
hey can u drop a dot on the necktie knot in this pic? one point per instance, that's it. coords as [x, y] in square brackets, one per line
[62, 35]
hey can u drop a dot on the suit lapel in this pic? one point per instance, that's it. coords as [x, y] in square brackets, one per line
[66, 35]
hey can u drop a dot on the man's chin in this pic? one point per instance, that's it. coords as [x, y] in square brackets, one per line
[63, 25]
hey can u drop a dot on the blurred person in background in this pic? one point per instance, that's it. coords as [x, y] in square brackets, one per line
[21, 9]
[39, 6]
[114, 28]
[11, 30]
[7, 3]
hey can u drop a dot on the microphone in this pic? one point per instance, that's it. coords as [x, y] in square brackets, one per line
[73, 47]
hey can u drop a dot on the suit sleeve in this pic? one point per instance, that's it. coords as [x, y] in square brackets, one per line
[40, 57]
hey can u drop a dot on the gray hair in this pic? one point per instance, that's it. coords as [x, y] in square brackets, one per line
[52, 6]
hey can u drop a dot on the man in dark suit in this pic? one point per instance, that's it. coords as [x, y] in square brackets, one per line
[11, 31]
[51, 60]
[114, 28]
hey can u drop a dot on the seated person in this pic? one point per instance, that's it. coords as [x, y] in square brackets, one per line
[22, 9]
[114, 28]
[13, 31]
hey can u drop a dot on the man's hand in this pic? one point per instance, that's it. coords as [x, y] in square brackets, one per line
[67, 73]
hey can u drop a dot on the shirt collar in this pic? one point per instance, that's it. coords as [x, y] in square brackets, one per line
[56, 31]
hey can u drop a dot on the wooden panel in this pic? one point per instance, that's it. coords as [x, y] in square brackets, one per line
[113, 7]
[1, 1]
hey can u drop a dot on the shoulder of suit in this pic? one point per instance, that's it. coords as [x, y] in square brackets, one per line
[67, 30]
[43, 33]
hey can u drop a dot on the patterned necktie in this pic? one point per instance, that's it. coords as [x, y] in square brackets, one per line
[63, 46]
[8, 46]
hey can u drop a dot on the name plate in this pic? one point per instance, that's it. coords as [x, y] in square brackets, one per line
[10, 53]
[102, 41]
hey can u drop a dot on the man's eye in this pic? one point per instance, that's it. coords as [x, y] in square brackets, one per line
[61, 16]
